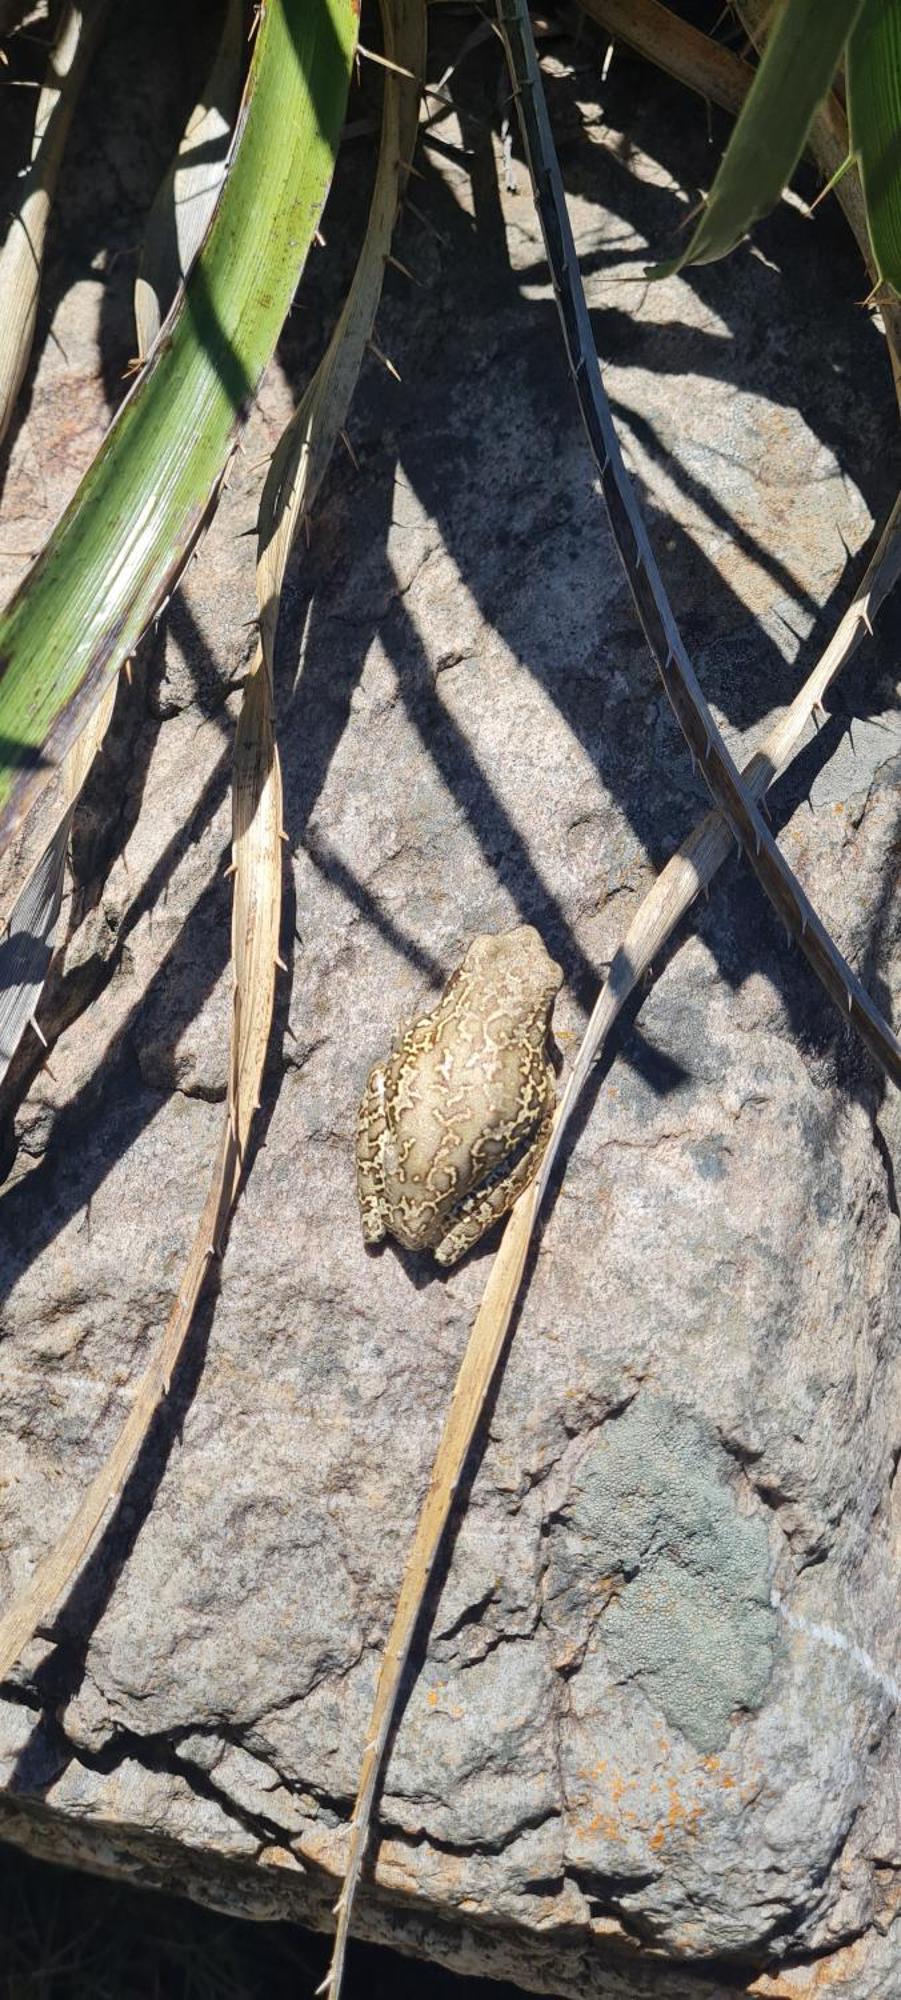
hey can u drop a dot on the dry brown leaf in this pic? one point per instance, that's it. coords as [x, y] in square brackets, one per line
[672, 44]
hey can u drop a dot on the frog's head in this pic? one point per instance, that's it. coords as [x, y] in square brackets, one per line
[517, 961]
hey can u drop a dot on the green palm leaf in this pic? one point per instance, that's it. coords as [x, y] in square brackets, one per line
[794, 74]
[874, 112]
[125, 537]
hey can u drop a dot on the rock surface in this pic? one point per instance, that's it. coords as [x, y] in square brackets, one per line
[651, 1747]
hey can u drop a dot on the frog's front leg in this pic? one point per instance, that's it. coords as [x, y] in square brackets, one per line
[477, 1212]
[370, 1168]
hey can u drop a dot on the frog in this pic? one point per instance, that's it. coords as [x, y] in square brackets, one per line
[452, 1127]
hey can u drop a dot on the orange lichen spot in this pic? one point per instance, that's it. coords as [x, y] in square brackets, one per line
[602, 1823]
[679, 1814]
[657, 1839]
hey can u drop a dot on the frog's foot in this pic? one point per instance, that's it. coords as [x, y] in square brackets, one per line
[485, 1206]
[370, 1175]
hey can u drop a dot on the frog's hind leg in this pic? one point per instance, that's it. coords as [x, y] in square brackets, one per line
[370, 1173]
[480, 1209]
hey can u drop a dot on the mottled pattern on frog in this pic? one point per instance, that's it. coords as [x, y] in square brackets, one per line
[453, 1126]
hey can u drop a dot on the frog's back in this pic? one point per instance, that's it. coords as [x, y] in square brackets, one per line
[461, 1106]
[467, 1085]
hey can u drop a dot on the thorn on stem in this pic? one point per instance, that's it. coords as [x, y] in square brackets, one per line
[383, 358]
[403, 269]
[384, 62]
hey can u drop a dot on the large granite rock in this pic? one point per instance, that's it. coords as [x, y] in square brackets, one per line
[649, 1747]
